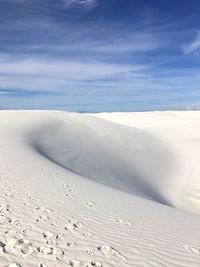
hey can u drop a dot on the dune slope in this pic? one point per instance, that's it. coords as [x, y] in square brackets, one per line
[78, 190]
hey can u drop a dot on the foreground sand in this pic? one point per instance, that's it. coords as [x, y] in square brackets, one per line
[118, 189]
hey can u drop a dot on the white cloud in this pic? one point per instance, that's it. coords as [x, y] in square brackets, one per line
[83, 3]
[193, 47]
[72, 70]
[128, 45]
[52, 75]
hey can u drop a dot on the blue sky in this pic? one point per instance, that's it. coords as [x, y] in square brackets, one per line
[99, 55]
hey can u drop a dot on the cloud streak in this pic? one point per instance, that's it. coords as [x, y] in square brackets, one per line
[71, 70]
[80, 3]
[193, 47]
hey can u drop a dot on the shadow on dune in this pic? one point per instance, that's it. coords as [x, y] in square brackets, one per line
[117, 156]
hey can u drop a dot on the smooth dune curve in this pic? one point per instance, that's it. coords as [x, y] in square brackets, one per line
[121, 157]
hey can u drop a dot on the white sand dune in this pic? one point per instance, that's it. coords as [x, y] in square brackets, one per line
[110, 189]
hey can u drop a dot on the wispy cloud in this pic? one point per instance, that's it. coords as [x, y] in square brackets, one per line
[192, 47]
[81, 39]
[71, 70]
[61, 76]
[80, 3]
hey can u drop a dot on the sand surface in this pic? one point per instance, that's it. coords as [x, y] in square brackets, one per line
[102, 190]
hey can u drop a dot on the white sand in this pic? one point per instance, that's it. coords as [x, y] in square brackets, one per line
[78, 190]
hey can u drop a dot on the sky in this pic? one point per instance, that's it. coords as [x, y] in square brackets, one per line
[100, 55]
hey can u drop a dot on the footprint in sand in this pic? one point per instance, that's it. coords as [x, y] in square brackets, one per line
[43, 218]
[76, 263]
[4, 208]
[54, 224]
[65, 185]
[27, 249]
[73, 224]
[70, 227]
[69, 189]
[59, 237]
[124, 222]
[51, 242]
[192, 249]
[96, 264]
[13, 245]
[60, 255]
[110, 251]
[71, 244]
[25, 231]
[48, 236]
[69, 196]
[47, 251]
[89, 251]
[15, 241]
[90, 204]
[9, 220]
[2, 247]
[10, 233]
[18, 224]
[5, 219]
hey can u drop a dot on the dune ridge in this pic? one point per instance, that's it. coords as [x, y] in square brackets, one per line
[121, 157]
